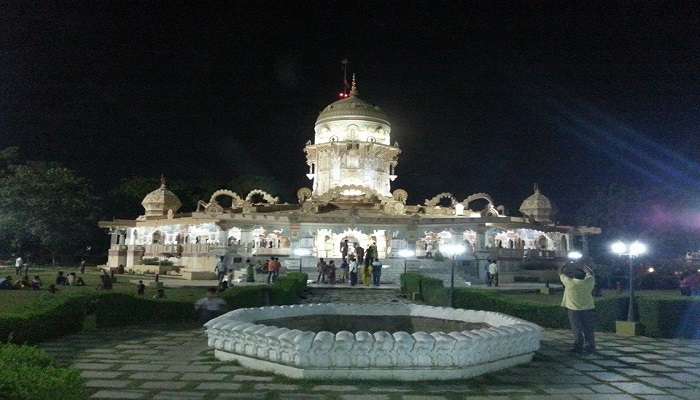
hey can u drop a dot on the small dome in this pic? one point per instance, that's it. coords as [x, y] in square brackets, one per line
[352, 107]
[538, 207]
[160, 201]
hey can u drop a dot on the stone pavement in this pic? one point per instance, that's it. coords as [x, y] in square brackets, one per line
[173, 362]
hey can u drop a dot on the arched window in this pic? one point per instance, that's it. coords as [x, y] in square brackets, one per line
[157, 237]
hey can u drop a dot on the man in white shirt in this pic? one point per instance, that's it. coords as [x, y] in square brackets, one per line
[493, 273]
[18, 265]
[209, 307]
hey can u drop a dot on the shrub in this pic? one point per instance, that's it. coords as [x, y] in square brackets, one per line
[433, 292]
[531, 279]
[669, 317]
[117, 309]
[150, 261]
[546, 315]
[165, 263]
[437, 256]
[28, 373]
[246, 296]
[410, 282]
[47, 319]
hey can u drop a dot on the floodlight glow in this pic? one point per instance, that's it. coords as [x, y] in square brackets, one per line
[453, 249]
[618, 248]
[575, 255]
[637, 249]
[651, 270]
[301, 252]
[406, 253]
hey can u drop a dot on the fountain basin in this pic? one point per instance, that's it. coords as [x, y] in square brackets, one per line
[364, 341]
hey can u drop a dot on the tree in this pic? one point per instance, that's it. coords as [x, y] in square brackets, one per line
[47, 206]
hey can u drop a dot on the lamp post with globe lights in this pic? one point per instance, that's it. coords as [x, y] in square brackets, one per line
[631, 251]
[301, 253]
[452, 251]
[405, 254]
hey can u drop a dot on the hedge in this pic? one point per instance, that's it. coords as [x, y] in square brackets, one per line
[669, 317]
[658, 317]
[118, 309]
[287, 290]
[29, 373]
[52, 318]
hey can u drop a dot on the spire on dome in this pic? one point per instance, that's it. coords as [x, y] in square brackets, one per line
[162, 180]
[536, 188]
[353, 88]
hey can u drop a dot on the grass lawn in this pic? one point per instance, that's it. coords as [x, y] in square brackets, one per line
[16, 300]
[555, 299]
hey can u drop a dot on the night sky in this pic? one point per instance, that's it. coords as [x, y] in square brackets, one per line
[481, 98]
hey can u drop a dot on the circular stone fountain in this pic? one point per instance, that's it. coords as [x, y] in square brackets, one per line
[363, 341]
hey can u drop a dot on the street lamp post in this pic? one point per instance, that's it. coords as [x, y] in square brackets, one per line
[631, 250]
[405, 254]
[452, 251]
[301, 253]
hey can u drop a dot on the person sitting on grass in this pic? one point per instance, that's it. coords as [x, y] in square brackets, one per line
[52, 289]
[209, 307]
[160, 294]
[61, 279]
[79, 281]
[70, 279]
[6, 283]
[36, 283]
[23, 283]
[105, 281]
[141, 289]
[578, 281]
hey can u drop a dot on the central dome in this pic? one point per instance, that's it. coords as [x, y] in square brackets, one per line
[352, 107]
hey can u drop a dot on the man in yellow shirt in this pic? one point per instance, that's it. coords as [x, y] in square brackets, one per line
[578, 284]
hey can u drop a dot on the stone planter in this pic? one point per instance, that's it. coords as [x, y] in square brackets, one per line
[141, 269]
[501, 341]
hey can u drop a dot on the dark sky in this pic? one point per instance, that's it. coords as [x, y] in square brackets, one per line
[482, 98]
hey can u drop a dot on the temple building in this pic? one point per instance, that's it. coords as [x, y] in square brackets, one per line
[351, 166]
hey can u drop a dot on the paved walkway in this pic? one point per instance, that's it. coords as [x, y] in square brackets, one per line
[174, 362]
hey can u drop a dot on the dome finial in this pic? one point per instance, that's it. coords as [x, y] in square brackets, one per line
[353, 88]
[162, 180]
[536, 188]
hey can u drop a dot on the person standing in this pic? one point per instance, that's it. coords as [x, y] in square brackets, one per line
[141, 289]
[578, 300]
[344, 246]
[321, 268]
[82, 266]
[249, 271]
[220, 269]
[344, 268]
[493, 273]
[359, 253]
[370, 254]
[18, 265]
[376, 272]
[331, 272]
[353, 271]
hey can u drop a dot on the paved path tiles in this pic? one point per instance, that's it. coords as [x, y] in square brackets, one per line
[174, 363]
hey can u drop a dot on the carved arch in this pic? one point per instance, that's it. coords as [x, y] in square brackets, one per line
[436, 200]
[338, 190]
[477, 196]
[266, 196]
[237, 201]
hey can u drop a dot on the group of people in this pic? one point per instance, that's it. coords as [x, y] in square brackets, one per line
[35, 283]
[363, 263]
